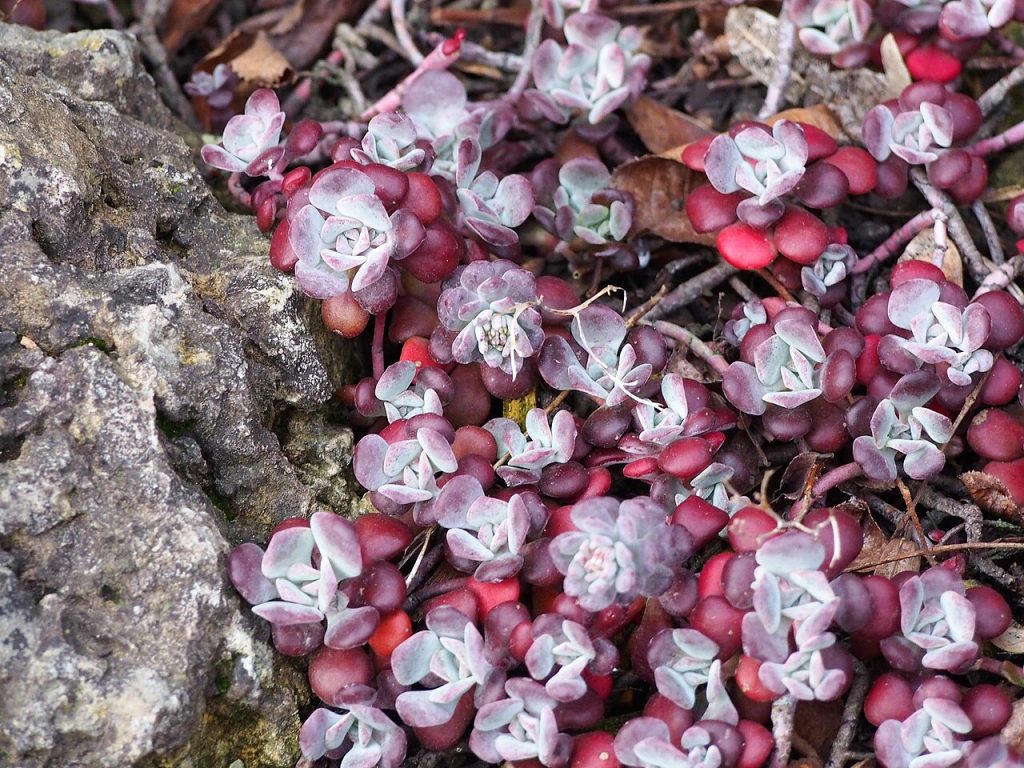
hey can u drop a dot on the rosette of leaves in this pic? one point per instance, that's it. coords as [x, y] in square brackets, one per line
[833, 266]
[939, 333]
[711, 484]
[583, 205]
[542, 445]
[968, 19]
[599, 70]
[659, 426]
[682, 661]
[402, 394]
[404, 471]
[745, 316]
[916, 136]
[486, 535]
[391, 140]
[217, 87]
[521, 726]
[360, 736]
[806, 673]
[621, 549]
[932, 736]
[937, 623]
[901, 424]
[645, 742]
[787, 371]
[612, 372]
[767, 163]
[489, 310]
[834, 28]
[788, 589]
[991, 752]
[251, 140]
[448, 659]
[287, 585]
[561, 651]
[490, 207]
[343, 236]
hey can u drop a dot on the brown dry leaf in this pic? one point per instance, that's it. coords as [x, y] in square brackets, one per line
[659, 186]
[753, 39]
[1013, 732]
[897, 75]
[253, 58]
[923, 246]
[804, 762]
[660, 127]
[819, 116]
[301, 30]
[879, 552]
[184, 19]
[991, 494]
[1012, 640]
[818, 723]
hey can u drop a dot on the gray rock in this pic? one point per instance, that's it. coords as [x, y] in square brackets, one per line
[149, 360]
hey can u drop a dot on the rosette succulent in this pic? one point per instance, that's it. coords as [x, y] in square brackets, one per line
[620, 550]
[934, 735]
[520, 727]
[584, 205]
[682, 660]
[599, 70]
[489, 310]
[490, 207]
[402, 394]
[835, 28]
[645, 742]
[251, 140]
[967, 19]
[916, 136]
[561, 651]
[547, 444]
[833, 266]
[391, 140]
[358, 736]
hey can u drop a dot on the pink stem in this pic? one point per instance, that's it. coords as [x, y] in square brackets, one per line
[442, 57]
[377, 352]
[835, 477]
[895, 241]
[695, 345]
[238, 191]
[304, 90]
[999, 142]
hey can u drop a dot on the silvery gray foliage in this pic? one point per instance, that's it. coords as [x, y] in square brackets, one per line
[831, 268]
[937, 618]
[405, 471]
[542, 445]
[521, 726]
[787, 370]
[939, 332]
[403, 395]
[966, 19]
[437, 104]
[249, 138]
[682, 660]
[488, 206]
[835, 28]
[599, 70]
[391, 140]
[751, 313]
[789, 592]
[621, 549]
[448, 659]
[901, 424]
[561, 651]
[490, 307]
[711, 485]
[767, 163]
[584, 205]
[805, 674]
[657, 425]
[611, 373]
[916, 136]
[486, 535]
[216, 87]
[991, 752]
[291, 587]
[360, 736]
[931, 736]
[645, 742]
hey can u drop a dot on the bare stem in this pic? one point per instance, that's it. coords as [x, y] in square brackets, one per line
[534, 30]
[835, 477]
[851, 716]
[783, 711]
[995, 245]
[999, 142]
[783, 64]
[692, 289]
[957, 228]
[896, 241]
[443, 56]
[398, 20]
[695, 345]
[995, 95]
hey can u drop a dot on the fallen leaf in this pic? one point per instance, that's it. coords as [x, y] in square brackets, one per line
[753, 40]
[882, 553]
[818, 723]
[1012, 734]
[660, 127]
[922, 247]
[897, 76]
[253, 58]
[794, 482]
[301, 30]
[1012, 640]
[659, 186]
[184, 19]
[992, 495]
[819, 116]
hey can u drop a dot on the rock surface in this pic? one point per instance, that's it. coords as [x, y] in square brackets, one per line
[151, 366]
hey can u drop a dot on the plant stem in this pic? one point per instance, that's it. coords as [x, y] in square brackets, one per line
[1001, 277]
[783, 64]
[835, 477]
[783, 711]
[534, 31]
[851, 716]
[957, 228]
[238, 191]
[999, 142]
[995, 95]
[442, 57]
[401, 26]
[695, 345]
[377, 351]
[988, 227]
[689, 291]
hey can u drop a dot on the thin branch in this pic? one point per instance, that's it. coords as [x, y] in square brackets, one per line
[692, 289]
[695, 345]
[997, 94]
[851, 717]
[957, 228]
[534, 31]
[783, 64]
[783, 711]
[401, 25]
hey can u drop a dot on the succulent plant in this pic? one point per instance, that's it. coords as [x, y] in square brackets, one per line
[805, 674]
[402, 395]
[682, 660]
[358, 736]
[391, 140]
[487, 534]
[645, 742]
[901, 424]
[490, 207]
[916, 136]
[965, 19]
[620, 550]
[250, 140]
[448, 658]
[547, 444]
[657, 426]
[599, 70]
[939, 332]
[933, 735]
[489, 307]
[711, 484]
[836, 28]
[832, 268]
[217, 87]
[561, 651]
[612, 372]
[585, 206]
[520, 727]
[745, 316]
[937, 618]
